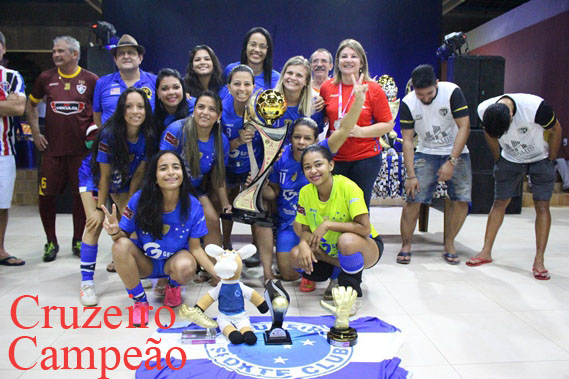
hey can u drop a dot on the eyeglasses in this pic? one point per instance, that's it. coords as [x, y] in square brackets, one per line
[254, 45]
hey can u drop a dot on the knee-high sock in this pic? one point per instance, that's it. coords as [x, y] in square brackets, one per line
[78, 218]
[88, 261]
[47, 215]
[137, 293]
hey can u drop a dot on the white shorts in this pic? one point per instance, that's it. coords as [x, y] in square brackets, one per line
[7, 179]
[239, 321]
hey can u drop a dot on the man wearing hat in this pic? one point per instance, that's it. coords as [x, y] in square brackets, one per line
[128, 56]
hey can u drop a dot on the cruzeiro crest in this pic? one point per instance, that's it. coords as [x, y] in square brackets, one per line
[310, 355]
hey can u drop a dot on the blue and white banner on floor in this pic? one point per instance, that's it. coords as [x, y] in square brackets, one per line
[309, 356]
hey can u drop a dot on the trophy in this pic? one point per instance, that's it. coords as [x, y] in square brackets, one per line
[390, 88]
[270, 105]
[198, 336]
[278, 299]
[341, 334]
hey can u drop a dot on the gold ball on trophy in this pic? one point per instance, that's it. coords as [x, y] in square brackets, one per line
[271, 105]
[280, 304]
[389, 87]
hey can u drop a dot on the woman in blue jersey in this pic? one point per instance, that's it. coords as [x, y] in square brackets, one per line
[287, 179]
[257, 53]
[168, 222]
[115, 167]
[203, 71]
[205, 149]
[335, 225]
[295, 84]
[171, 101]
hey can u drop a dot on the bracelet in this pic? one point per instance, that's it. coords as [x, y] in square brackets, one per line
[100, 209]
[114, 234]
[411, 177]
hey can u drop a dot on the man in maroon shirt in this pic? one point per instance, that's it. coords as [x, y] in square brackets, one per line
[68, 93]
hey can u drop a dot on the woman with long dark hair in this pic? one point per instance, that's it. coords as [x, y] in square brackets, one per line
[203, 71]
[114, 168]
[205, 149]
[335, 225]
[257, 53]
[171, 101]
[168, 222]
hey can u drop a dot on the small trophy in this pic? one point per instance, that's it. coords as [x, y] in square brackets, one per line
[278, 299]
[270, 105]
[198, 336]
[341, 335]
[390, 88]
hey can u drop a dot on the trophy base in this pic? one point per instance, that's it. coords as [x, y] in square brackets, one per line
[281, 337]
[246, 217]
[342, 337]
[198, 336]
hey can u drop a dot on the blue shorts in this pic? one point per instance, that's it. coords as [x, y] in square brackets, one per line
[426, 168]
[286, 239]
[158, 268]
[509, 175]
[86, 183]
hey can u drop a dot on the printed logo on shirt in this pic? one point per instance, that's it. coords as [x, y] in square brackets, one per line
[523, 130]
[354, 200]
[148, 92]
[443, 111]
[165, 229]
[67, 107]
[300, 209]
[128, 213]
[171, 139]
[103, 147]
[53, 84]
[115, 91]
[81, 87]
[293, 178]
[417, 117]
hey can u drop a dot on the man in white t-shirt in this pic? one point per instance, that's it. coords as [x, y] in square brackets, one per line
[438, 114]
[515, 123]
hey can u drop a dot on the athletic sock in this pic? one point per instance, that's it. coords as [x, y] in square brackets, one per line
[335, 272]
[137, 293]
[47, 215]
[88, 261]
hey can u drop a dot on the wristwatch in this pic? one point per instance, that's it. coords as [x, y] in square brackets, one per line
[453, 161]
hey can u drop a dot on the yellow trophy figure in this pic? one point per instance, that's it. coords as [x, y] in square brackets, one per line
[262, 110]
[390, 88]
[341, 334]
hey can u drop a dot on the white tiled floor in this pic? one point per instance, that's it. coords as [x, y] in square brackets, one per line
[493, 321]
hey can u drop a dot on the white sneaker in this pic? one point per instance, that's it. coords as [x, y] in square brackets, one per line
[88, 295]
[146, 283]
[356, 306]
[328, 292]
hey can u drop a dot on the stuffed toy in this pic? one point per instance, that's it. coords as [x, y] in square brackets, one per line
[230, 292]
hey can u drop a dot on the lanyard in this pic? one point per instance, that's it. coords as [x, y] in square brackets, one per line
[341, 112]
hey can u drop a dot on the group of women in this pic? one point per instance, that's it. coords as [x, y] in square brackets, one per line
[172, 172]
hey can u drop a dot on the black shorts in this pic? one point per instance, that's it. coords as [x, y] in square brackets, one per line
[322, 271]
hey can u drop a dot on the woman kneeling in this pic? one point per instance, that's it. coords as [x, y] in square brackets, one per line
[168, 222]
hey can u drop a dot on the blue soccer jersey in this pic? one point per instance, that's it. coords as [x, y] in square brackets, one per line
[259, 80]
[238, 162]
[288, 174]
[109, 88]
[137, 154]
[173, 139]
[176, 232]
[170, 118]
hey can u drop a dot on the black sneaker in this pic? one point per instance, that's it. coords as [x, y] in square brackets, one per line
[50, 251]
[76, 248]
[253, 261]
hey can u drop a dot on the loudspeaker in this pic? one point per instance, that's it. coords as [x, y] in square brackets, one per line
[97, 60]
[480, 156]
[479, 77]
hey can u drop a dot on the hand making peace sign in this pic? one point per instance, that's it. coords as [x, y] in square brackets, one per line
[111, 223]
